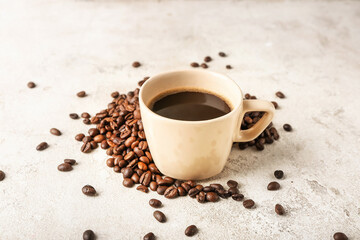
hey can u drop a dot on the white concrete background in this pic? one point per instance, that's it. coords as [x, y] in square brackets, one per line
[307, 49]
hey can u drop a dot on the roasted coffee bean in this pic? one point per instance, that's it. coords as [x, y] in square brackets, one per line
[85, 115]
[87, 139]
[55, 131]
[248, 203]
[237, 197]
[204, 65]
[79, 137]
[178, 183]
[105, 145]
[340, 236]
[191, 230]
[70, 161]
[86, 121]
[99, 138]
[143, 188]
[110, 162]
[93, 145]
[93, 132]
[149, 236]
[42, 146]
[276, 105]
[89, 190]
[201, 197]
[128, 182]
[86, 147]
[193, 192]
[2, 175]
[279, 174]
[117, 169]
[273, 186]
[136, 64]
[208, 189]
[115, 94]
[228, 67]
[81, 94]
[145, 178]
[74, 116]
[287, 127]
[129, 141]
[242, 146]
[207, 59]
[216, 186]
[160, 216]
[155, 203]
[259, 146]
[199, 187]
[223, 193]
[153, 186]
[161, 190]
[31, 85]
[232, 184]
[135, 177]
[181, 191]
[222, 54]
[212, 197]
[166, 181]
[280, 94]
[233, 190]
[88, 235]
[186, 186]
[194, 64]
[127, 172]
[171, 192]
[279, 209]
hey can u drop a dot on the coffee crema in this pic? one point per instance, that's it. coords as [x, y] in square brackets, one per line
[190, 105]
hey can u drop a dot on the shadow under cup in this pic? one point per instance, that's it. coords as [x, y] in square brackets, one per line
[190, 149]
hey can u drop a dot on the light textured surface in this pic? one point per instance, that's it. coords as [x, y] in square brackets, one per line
[309, 50]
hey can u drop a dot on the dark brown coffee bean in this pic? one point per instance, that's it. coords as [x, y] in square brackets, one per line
[287, 127]
[65, 167]
[115, 94]
[145, 178]
[232, 183]
[186, 186]
[166, 181]
[87, 139]
[228, 67]
[128, 182]
[194, 64]
[110, 162]
[161, 190]
[193, 192]
[81, 94]
[88, 235]
[135, 177]
[143, 188]
[89, 190]
[104, 145]
[222, 54]
[181, 191]
[204, 65]
[233, 190]
[201, 197]
[178, 183]
[280, 94]
[208, 189]
[99, 138]
[129, 141]
[79, 137]
[93, 132]
[273, 186]
[279, 174]
[149, 236]
[207, 59]
[276, 105]
[243, 146]
[160, 216]
[279, 209]
[87, 121]
[70, 161]
[93, 145]
[31, 85]
[212, 197]
[340, 236]
[171, 192]
[153, 186]
[191, 230]
[2, 175]
[127, 172]
[259, 146]
[223, 193]
[85, 115]
[136, 64]
[155, 203]
[86, 147]
[237, 197]
[42, 146]
[248, 203]
[216, 186]
[55, 131]
[74, 116]
[117, 169]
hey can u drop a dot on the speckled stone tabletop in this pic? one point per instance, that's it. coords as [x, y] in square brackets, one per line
[307, 49]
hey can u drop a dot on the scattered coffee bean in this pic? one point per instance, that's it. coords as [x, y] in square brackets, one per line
[233, 190]
[70, 161]
[279, 209]
[42, 146]
[171, 192]
[191, 230]
[160, 216]
[207, 59]
[222, 54]
[228, 67]
[81, 94]
[2, 175]
[149, 236]
[86, 121]
[55, 131]
[65, 167]
[248, 203]
[280, 94]
[193, 192]
[89, 190]
[155, 203]
[86, 147]
[194, 64]
[273, 186]
[287, 127]
[115, 94]
[340, 236]
[140, 83]
[212, 197]
[142, 188]
[85, 115]
[237, 197]
[161, 190]
[128, 182]
[79, 137]
[276, 105]
[201, 197]
[74, 116]
[31, 85]
[136, 64]
[88, 235]
[216, 186]
[127, 172]
[232, 183]
[279, 174]
[204, 65]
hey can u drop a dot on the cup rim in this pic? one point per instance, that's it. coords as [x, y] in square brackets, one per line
[217, 74]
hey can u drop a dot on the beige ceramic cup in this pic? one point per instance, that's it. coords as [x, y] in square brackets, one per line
[197, 149]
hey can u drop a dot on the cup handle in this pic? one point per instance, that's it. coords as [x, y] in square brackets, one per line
[259, 127]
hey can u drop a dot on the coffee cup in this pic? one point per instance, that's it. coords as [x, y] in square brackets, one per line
[195, 150]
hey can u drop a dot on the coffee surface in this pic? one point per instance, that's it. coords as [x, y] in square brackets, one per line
[191, 106]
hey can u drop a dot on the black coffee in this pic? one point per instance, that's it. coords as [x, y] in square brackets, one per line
[191, 106]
